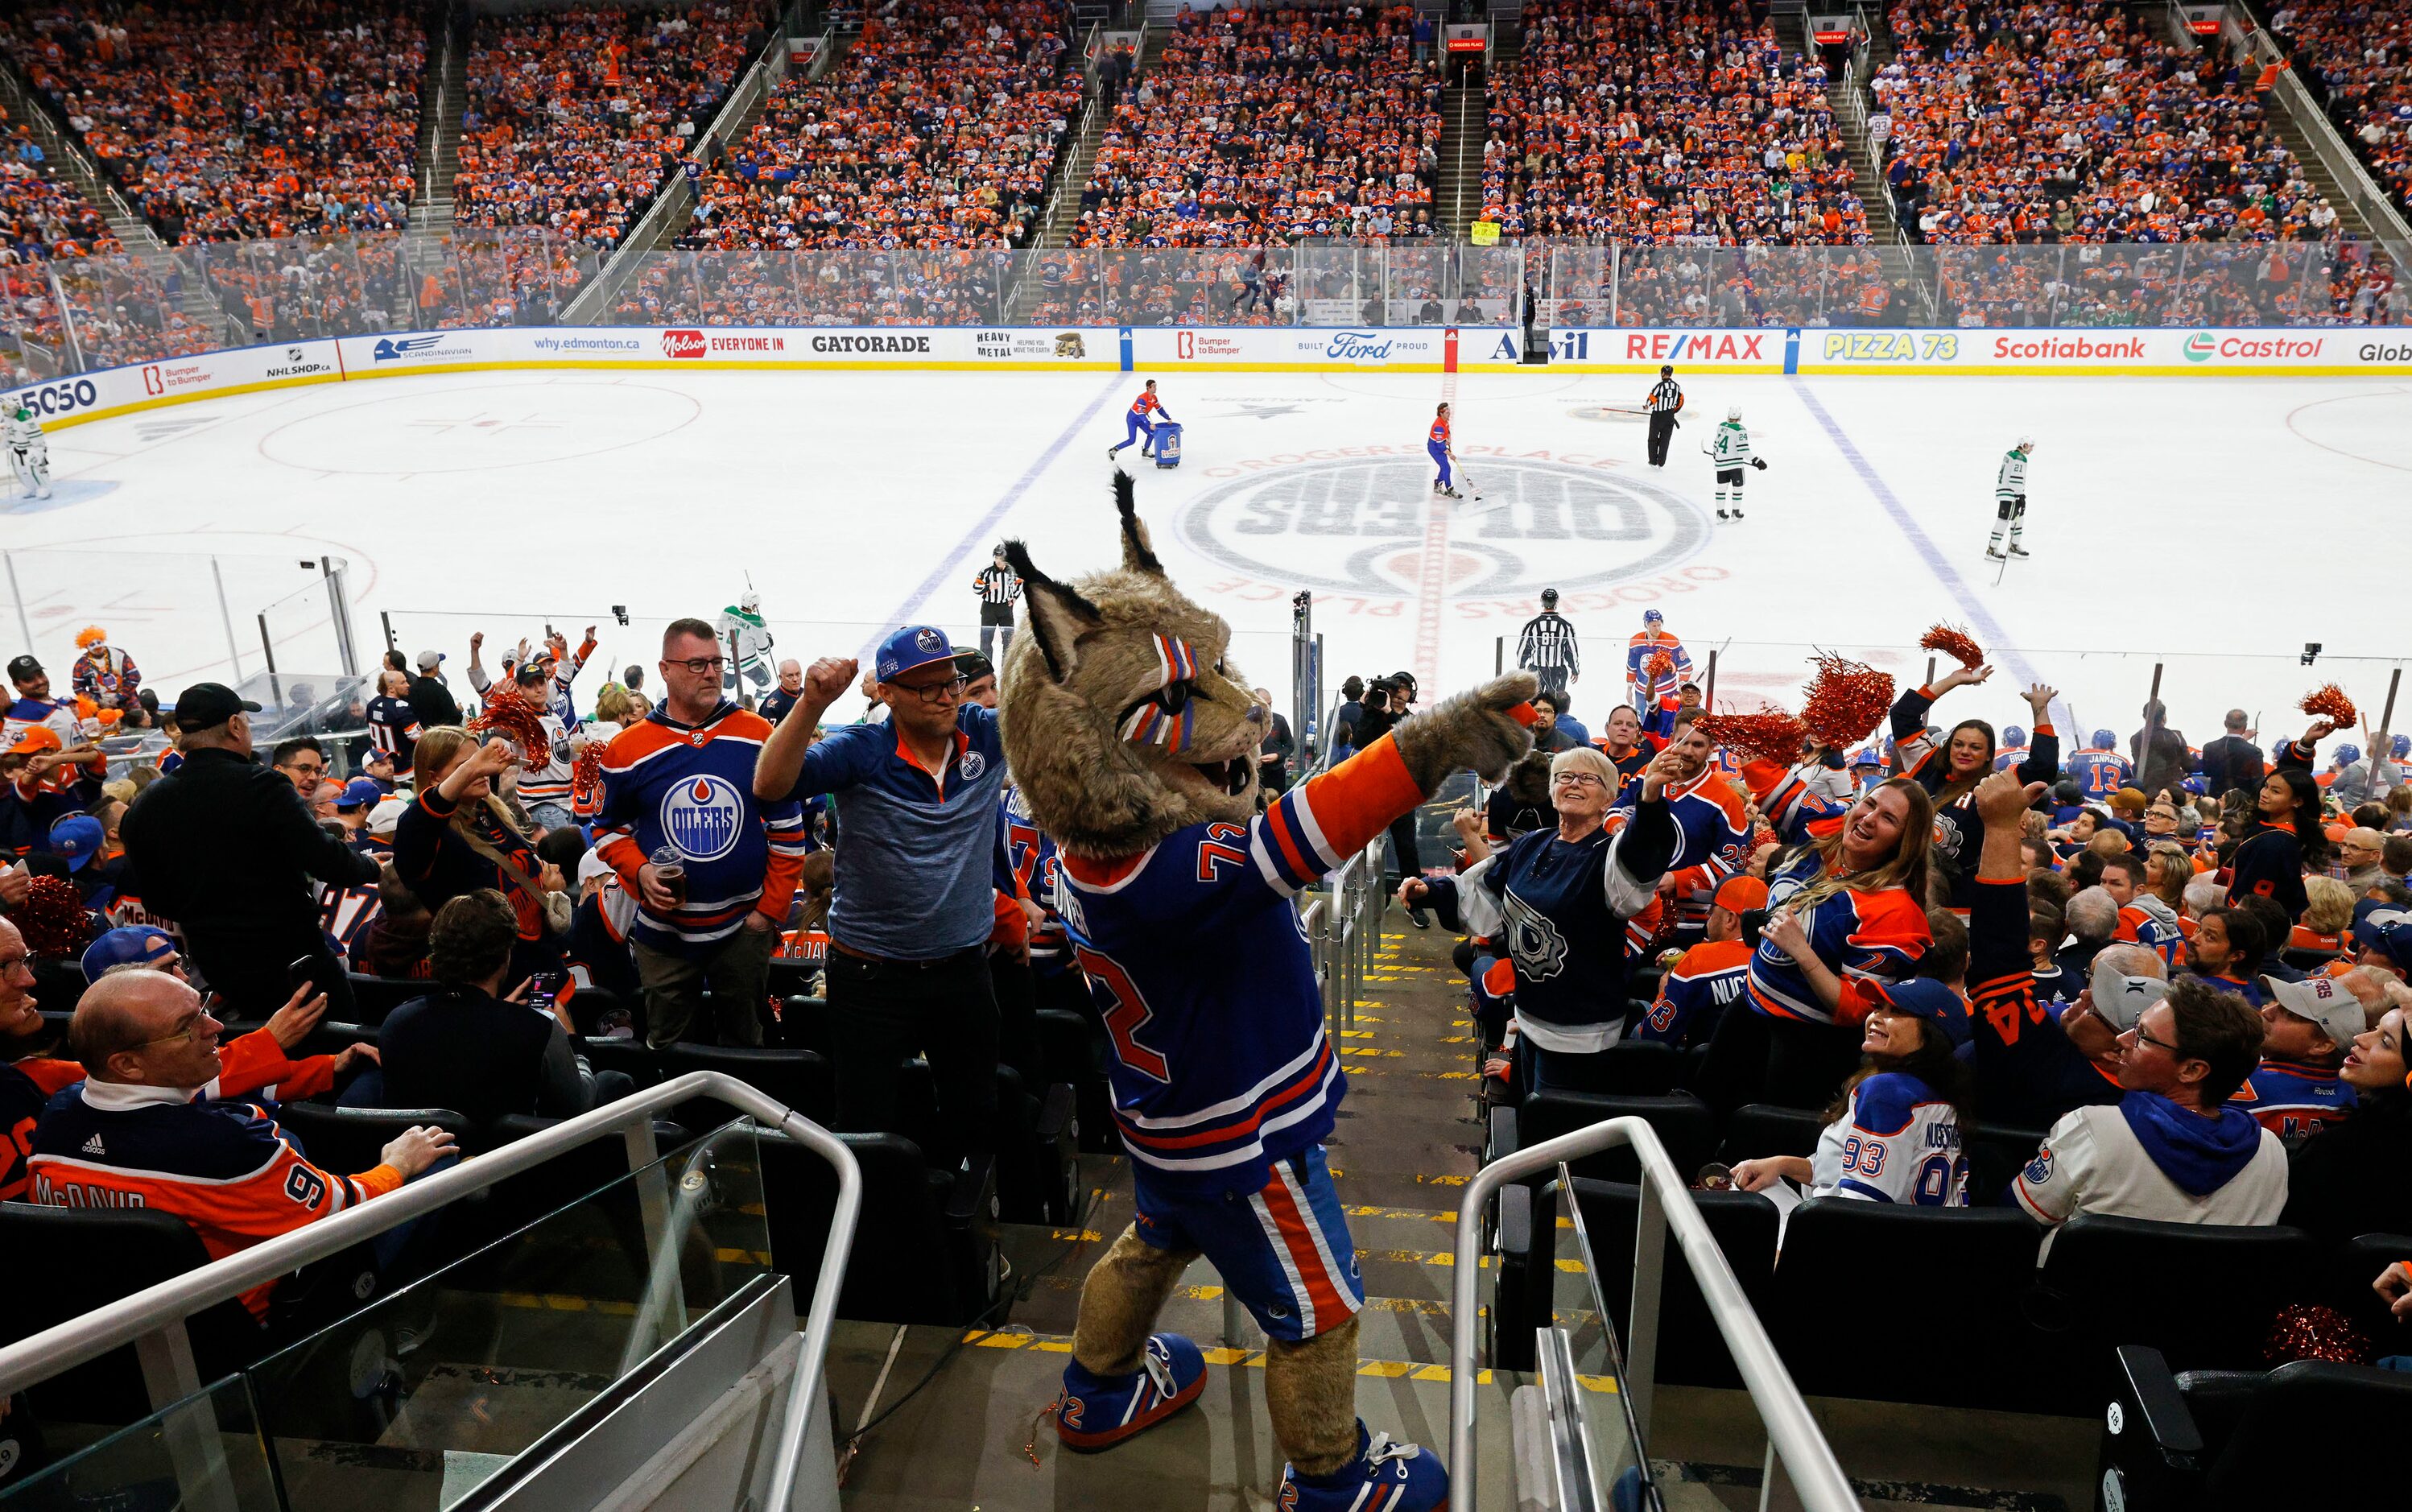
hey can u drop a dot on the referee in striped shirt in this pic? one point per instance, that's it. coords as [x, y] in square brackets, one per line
[998, 588]
[1666, 398]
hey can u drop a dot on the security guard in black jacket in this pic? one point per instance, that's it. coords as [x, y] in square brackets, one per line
[225, 847]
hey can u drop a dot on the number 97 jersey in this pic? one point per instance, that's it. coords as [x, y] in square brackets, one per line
[1898, 1141]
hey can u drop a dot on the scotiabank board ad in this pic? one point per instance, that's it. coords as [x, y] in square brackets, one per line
[2173, 351]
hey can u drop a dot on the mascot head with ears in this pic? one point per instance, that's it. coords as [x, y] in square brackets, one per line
[1122, 720]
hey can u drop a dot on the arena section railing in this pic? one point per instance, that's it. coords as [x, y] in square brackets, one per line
[1342, 925]
[1793, 1438]
[153, 1321]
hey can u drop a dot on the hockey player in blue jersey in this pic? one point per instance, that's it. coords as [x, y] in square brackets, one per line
[2099, 769]
[1135, 746]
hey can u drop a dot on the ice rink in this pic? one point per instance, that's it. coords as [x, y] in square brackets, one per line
[2211, 525]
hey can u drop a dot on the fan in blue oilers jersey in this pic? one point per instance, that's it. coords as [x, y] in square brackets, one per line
[1895, 1136]
[2299, 1088]
[1136, 747]
[2098, 768]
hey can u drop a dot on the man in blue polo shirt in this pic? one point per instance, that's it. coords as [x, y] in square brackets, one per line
[915, 799]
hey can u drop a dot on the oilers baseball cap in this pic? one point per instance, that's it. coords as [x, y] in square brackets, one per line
[914, 646]
[360, 793]
[387, 815]
[78, 838]
[24, 668]
[2119, 999]
[34, 737]
[1922, 997]
[2389, 932]
[134, 945]
[2325, 1001]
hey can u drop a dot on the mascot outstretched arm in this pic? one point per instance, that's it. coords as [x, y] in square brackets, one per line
[1135, 745]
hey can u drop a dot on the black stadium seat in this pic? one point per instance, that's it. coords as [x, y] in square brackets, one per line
[1952, 1354]
[66, 1262]
[2202, 1294]
[1682, 1121]
[643, 1065]
[799, 1080]
[374, 997]
[2221, 1441]
[1758, 1130]
[1691, 1352]
[925, 1247]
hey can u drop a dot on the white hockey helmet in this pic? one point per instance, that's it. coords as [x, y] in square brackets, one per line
[750, 603]
[2026, 443]
[1733, 411]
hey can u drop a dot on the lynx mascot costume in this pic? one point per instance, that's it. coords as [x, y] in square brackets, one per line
[1135, 746]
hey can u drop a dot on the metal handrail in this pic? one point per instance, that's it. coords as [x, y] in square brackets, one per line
[162, 1309]
[1666, 1202]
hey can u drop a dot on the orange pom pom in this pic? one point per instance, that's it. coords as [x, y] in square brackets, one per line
[1847, 701]
[1956, 643]
[516, 720]
[1769, 734]
[1659, 665]
[53, 918]
[585, 777]
[2329, 703]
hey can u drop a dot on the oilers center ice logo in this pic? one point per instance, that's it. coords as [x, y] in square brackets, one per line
[1365, 527]
[702, 816]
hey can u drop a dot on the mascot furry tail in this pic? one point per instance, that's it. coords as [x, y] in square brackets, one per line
[1134, 741]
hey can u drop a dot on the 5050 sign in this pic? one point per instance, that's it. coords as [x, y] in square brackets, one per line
[62, 398]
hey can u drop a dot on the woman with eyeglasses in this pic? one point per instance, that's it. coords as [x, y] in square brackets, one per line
[1556, 901]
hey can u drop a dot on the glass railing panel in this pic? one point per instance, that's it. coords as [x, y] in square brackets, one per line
[205, 1453]
[419, 1398]
[1617, 1457]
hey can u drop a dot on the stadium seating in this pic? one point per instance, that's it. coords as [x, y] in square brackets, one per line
[220, 118]
[574, 118]
[2081, 121]
[1260, 125]
[1666, 118]
[2357, 61]
[925, 1250]
[938, 128]
[2221, 1441]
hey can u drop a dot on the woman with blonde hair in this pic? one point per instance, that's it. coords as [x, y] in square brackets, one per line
[1845, 913]
[459, 835]
[2167, 869]
[2327, 911]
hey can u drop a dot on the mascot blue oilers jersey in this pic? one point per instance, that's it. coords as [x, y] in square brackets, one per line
[1196, 961]
[1860, 935]
[1897, 1142]
[2294, 1101]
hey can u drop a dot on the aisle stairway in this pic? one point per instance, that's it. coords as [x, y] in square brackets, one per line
[442, 101]
[2316, 172]
[1405, 1145]
[1459, 195]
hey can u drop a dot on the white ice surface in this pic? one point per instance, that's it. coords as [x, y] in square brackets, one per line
[2212, 524]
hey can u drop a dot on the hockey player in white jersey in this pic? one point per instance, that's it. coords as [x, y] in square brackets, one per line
[742, 627]
[1729, 453]
[29, 453]
[2011, 500]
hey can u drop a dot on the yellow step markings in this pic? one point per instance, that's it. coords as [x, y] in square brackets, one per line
[1421, 1214]
[561, 1302]
[743, 1256]
[1086, 1236]
[1393, 1370]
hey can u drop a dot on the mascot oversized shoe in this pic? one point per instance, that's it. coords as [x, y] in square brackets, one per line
[1098, 1412]
[1384, 1477]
